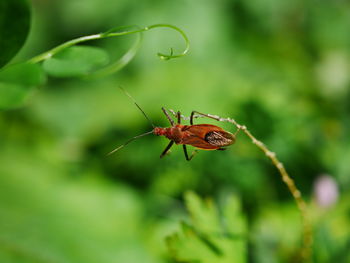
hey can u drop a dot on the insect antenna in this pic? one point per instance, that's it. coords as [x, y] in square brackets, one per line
[129, 141]
[138, 136]
[144, 114]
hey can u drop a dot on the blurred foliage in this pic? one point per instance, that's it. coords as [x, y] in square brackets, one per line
[209, 238]
[279, 67]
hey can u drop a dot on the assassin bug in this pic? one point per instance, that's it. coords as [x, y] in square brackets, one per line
[201, 136]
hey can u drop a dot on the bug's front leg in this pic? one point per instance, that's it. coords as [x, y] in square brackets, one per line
[168, 116]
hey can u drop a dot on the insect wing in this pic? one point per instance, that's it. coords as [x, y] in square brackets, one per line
[207, 136]
[220, 138]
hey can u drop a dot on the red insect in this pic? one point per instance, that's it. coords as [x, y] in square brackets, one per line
[201, 136]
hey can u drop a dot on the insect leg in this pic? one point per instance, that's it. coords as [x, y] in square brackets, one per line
[178, 115]
[204, 115]
[168, 116]
[215, 117]
[167, 149]
[238, 129]
[191, 118]
[221, 149]
[186, 154]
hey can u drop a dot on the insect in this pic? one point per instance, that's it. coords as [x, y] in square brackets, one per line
[201, 136]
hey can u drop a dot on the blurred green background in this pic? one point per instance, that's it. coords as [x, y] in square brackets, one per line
[279, 67]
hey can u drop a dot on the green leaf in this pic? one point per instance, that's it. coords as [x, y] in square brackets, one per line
[17, 82]
[76, 61]
[14, 28]
[211, 238]
[23, 74]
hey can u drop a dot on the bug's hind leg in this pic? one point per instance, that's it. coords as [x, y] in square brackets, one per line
[166, 150]
[214, 117]
[221, 149]
[238, 129]
[204, 115]
[186, 154]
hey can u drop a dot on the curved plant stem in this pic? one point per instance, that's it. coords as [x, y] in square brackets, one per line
[115, 33]
[301, 204]
[120, 63]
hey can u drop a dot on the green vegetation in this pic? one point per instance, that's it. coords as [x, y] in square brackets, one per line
[279, 67]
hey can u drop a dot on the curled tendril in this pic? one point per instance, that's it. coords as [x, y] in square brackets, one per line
[171, 55]
[114, 32]
[128, 56]
[167, 57]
